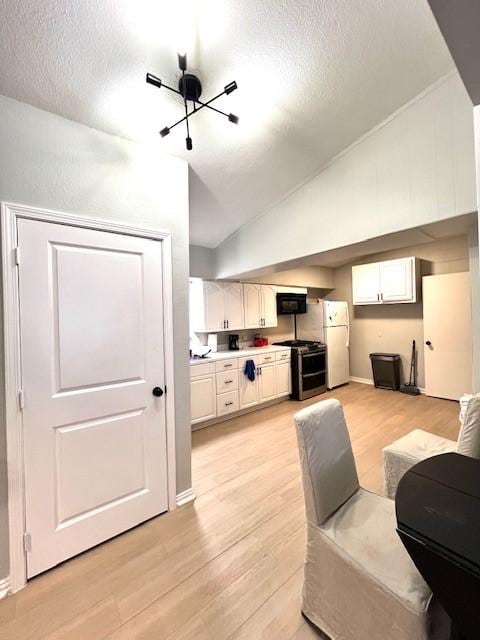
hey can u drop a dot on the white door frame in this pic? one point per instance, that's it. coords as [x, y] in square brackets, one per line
[10, 213]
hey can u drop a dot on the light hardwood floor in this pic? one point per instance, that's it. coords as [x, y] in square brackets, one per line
[230, 564]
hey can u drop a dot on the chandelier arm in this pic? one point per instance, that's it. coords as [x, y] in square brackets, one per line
[188, 141]
[171, 89]
[191, 113]
[205, 104]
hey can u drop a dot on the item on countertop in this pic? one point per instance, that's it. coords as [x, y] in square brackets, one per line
[212, 342]
[233, 344]
[200, 351]
[260, 341]
[250, 370]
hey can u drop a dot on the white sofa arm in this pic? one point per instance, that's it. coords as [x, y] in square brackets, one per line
[405, 452]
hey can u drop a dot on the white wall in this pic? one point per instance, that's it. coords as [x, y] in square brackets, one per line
[414, 169]
[202, 262]
[391, 328]
[53, 163]
[475, 265]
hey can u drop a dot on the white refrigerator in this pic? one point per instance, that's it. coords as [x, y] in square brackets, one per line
[327, 321]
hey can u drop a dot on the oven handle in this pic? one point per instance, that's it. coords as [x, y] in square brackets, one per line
[315, 373]
[312, 354]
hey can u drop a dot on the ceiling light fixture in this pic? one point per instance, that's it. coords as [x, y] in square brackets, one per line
[190, 88]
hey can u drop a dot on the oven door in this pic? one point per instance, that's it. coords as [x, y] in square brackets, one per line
[312, 373]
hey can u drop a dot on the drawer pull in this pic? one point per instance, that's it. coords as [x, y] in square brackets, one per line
[267, 358]
[227, 365]
[227, 404]
[228, 381]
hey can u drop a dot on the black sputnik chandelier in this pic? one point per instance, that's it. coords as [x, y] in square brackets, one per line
[190, 89]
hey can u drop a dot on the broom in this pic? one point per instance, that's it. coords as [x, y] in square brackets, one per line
[411, 387]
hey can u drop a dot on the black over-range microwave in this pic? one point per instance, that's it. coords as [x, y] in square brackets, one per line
[291, 303]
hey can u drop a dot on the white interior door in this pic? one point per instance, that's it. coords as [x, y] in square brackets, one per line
[233, 301]
[447, 331]
[252, 294]
[269, 305]
[92, 351]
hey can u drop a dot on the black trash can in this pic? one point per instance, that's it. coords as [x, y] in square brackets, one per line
[386, 370]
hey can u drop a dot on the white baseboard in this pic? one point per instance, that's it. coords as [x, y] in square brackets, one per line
[185, 496]
[361, 380]
[370, 381]
[4, 587]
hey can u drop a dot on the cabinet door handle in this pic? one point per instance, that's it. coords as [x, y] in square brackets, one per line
[259, 371]
[228, 404]
[228, 381]
[227, 324]
[378, 297]
[225, 366]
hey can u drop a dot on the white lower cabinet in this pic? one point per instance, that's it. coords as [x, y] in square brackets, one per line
[226, 389]
[266, 383]
[283, 378]
[227, 403]
[203, 398]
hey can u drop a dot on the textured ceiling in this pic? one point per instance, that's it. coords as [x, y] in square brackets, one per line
[312, 75]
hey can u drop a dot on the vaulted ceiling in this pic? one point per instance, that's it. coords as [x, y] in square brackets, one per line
[312, 75]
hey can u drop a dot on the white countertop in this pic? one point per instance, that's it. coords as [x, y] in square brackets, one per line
[251, 351]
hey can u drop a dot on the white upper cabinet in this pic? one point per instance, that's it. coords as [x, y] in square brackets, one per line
[366, 284]
[260, 305]
[252, 295]
[213, 312]
[397, 280]
[233, 305]
[388, 282]
[215, 306]
[269, 306]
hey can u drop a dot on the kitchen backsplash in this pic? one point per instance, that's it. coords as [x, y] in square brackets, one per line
[284, 331]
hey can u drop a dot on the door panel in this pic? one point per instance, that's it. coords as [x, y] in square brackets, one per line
[447, 326]
[366, 284]
[266, 383]
[253, 302]
[269, 305]
[86, 452]
[233, 300]
[283, 375]
[203, 398]
[92, 350]
[336, 313]
[338, 356]
[214, 308]
[397, 280]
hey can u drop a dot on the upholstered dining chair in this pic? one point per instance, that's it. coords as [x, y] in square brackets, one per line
[359, 583]
[418, 445]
